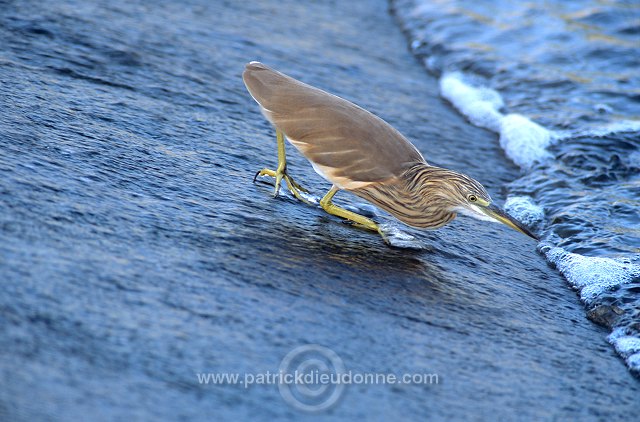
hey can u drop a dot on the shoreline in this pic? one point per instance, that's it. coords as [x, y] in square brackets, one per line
[113, 309]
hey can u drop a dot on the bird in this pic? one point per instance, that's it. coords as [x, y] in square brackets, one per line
[358, 152]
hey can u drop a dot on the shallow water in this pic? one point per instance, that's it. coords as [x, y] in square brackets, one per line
[136, 252]
[559, 83]
[563, 63]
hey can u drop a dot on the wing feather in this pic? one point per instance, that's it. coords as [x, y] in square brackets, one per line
[346, 144]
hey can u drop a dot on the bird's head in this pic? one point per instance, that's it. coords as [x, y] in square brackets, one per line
[467, 196]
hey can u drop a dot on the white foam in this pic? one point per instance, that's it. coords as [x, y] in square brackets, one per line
[592, 275]
[622, 126]
[523, 140]
[525, 210]
[627, 346]
[634, 362]
[479, 105]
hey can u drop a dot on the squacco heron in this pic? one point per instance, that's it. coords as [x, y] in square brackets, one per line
[359, 152]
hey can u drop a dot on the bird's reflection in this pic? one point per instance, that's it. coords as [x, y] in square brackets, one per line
[354, 265]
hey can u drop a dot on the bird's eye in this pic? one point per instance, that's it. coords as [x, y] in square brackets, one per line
[472, 198]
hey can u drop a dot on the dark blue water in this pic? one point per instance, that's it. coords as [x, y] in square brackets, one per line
[572, 68]
[563, 63]
[135, 251]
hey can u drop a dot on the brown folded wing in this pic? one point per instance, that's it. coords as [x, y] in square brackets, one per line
[346, 144]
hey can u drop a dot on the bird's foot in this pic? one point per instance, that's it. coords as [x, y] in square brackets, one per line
[292, 185]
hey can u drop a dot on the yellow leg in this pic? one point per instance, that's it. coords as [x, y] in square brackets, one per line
[357, 219]
[281, 172]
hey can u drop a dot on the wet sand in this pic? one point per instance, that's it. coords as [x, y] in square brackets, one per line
[176, 264]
